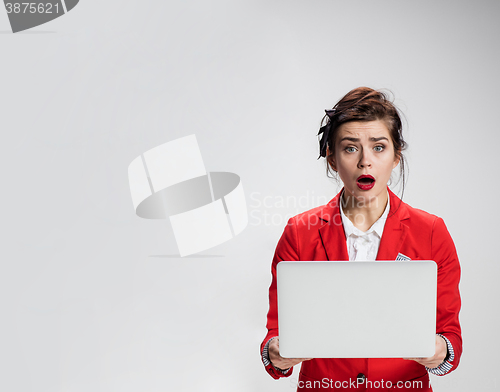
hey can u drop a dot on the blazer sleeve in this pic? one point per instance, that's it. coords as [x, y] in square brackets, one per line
[288, 250]
[448, 296]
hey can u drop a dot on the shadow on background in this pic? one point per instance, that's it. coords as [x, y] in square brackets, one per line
[27, 32]
[187, 257]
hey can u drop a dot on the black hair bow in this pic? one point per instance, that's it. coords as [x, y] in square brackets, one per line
[325, 130]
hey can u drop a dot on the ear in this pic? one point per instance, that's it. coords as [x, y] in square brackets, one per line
[330, 159]
[396, 161]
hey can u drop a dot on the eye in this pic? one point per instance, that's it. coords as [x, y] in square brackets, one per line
[350, 149]
[379, 148]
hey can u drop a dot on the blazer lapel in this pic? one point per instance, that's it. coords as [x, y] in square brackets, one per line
[332, 232]
[333, 236]
[395, 231]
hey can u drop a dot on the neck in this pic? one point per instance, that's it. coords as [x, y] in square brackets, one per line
[363, 213]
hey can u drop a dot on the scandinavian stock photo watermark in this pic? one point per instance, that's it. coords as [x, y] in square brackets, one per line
[276, 210]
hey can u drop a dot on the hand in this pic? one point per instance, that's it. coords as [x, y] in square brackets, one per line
[277, 360]
[439, 356]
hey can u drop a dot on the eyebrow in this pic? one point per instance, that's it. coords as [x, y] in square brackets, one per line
[372, 139]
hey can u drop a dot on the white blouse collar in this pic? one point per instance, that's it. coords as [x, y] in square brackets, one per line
[377, 227]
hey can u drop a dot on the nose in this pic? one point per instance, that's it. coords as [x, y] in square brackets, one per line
[365, 160]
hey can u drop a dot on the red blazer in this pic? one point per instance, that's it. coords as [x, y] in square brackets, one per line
[318, 234]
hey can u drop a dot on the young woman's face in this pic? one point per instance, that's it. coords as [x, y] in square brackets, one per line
[364, 159]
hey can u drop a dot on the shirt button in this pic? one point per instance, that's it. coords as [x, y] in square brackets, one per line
[361, 378]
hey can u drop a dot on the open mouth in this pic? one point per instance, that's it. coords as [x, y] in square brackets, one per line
[365, 182]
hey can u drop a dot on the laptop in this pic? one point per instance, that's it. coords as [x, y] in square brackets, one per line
[381, 309]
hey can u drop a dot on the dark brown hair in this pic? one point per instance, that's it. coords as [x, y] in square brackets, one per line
[363, 104]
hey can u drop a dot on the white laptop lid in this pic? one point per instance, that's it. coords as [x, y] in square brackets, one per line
[381, 309]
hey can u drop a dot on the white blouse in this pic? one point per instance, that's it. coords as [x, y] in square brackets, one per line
[363, 245]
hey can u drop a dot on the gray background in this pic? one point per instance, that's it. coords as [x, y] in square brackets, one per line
[94, 298]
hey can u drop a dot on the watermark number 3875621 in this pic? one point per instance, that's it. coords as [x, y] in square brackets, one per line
[25, 15]
[33, 8]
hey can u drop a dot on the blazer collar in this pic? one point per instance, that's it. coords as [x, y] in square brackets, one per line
[333, 236]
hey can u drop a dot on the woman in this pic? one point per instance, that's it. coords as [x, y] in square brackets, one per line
[362, 142]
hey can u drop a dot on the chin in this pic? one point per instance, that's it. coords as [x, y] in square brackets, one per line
[366, 196]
